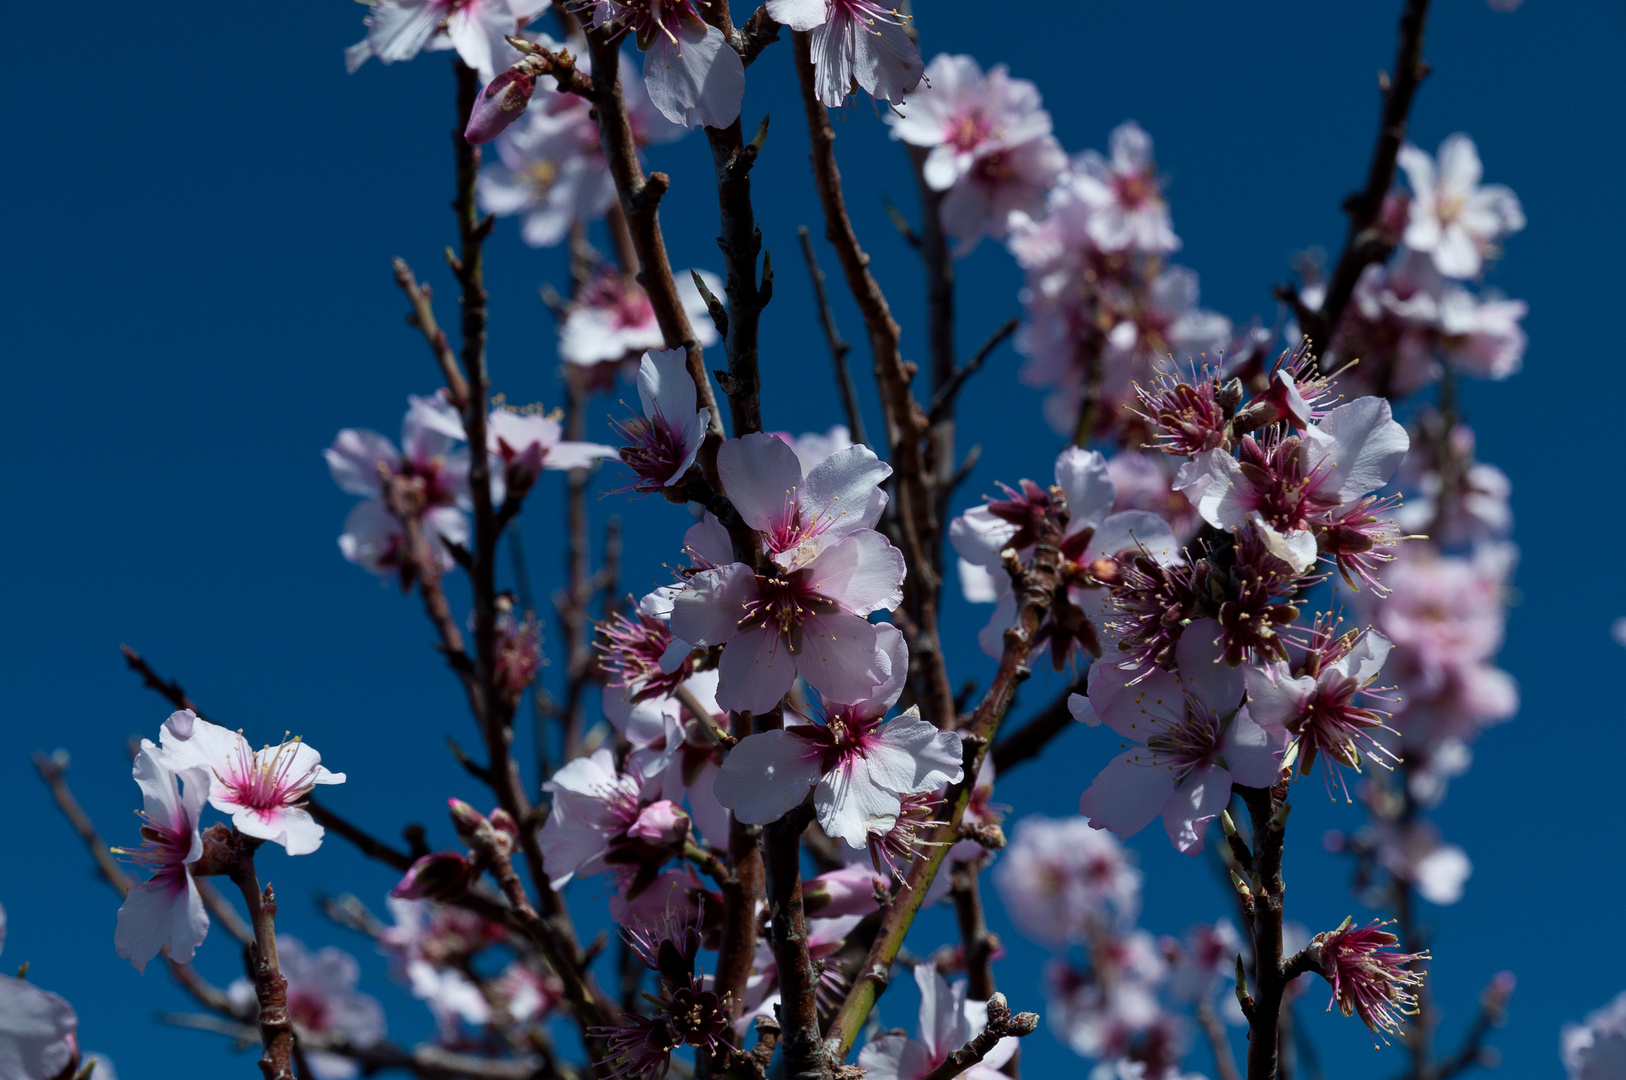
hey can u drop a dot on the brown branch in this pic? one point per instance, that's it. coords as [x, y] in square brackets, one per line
[423, 317]
[1364, 244]
[1219, 1043]
[759, 31]
[839, 346]
[368, 844]
[640, 202]
[1033, 585]
[1001, 1025]
[741, 241]
[976, 941]
[169, 689]
[270, 987]
[1029, 740]
[1492, 1015]
[1267, 809]
[944, 397]
[806, 1055]
[905, 421]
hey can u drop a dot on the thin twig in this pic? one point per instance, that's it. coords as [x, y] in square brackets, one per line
[1029, 740]
[943, 399]
[1219, 1044]
[839, 346]
[1364, 243]
[1001, 1025]
[423, 317]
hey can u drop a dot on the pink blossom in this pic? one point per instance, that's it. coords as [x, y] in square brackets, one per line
[1368, 978]
[1453, 217]
[262, 790]
[947, 1022]
[166, 908]
[807, 621]
[599, 823]
[529, 440]
[1596, 1049]
[856, 763]
[1315, 700]
[477, 29]
[1170, 323]
[1125, 195]
[854, 41]
[1062, 880]
[323, 1001]
[1111, 1013]
[1206, 956]
[1286, 487]
[676, 753]
[639, 654]
[1093, 544]
[611, 318]
[990, 144]
[1142, 481]
[360, 459]
[663, 444]
[425, 945]
[551, 167]
[799, 516]
[1190, 737]
[37, 1028]
[693, 75]
[852, 890]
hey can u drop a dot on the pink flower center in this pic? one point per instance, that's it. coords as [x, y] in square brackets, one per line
[784, 603]
[1186, 743]
[654, 449]
[1134, 190]
[968, 130]
[308, 1010]
[789, 529]
[266, 781]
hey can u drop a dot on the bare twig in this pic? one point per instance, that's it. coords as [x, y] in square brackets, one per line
[1219, 1044]
[423, 317]
[270, 987]
[1267, 809]
[1364, 244]
[839, 346]
[977, 942]
[168, 689]
[1001, 1025]
[945, 395]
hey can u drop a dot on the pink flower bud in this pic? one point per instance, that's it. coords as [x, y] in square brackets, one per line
[441, 876]
[465, 819]
[499, 104]
[848, 891]
[662, 824]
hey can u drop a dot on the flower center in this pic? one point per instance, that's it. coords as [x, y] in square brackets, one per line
[266, 780]
[785, 603]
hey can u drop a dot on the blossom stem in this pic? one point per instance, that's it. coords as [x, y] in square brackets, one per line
[1364, 244]
[1001, 1025]
[270, 988]
[1033, 585]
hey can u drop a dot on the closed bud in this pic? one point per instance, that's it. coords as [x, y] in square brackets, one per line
[441, 876]
[465, 819]
[499, 104]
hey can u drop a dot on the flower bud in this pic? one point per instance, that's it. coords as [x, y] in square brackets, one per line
[465, 819]
[443, 875]
[499, 104]
[848, 891]
[661, 823]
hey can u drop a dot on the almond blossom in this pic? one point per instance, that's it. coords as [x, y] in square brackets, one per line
[854, 41]
[813, 449]
[1096, 540]
[1454, 218]
[1596, 1049]
[661, 446]
[990, 144]
[1315, 700]
[1367, 977]
[36, 1029]
[1190, 736]
[600, 823]
[477, 29]
[1124, 194]
[323, 1002]
[529, 440]
[693, 75]
[857, 764]
[947, 1022]
[799, 516]
[550, 163]
[1062, 880]
[262, 790]
[612, 318]
[166, 908]
[1296, 490]
[429, 459]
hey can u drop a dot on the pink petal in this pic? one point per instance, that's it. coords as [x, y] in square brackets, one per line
[1127, 794]
[765, 776]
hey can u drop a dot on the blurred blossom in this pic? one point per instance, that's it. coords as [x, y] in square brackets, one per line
[1453, 218]
[1060, 878]
[1596, 1049]
[322, 1001]
[400, 29]
[854, 41]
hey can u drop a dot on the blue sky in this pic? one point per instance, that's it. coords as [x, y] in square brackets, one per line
[200, 212]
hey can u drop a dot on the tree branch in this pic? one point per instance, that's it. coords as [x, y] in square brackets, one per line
[839, 346]
[1364, 244]
[1029, 740]
[1001, 1025]
[1267, 809]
